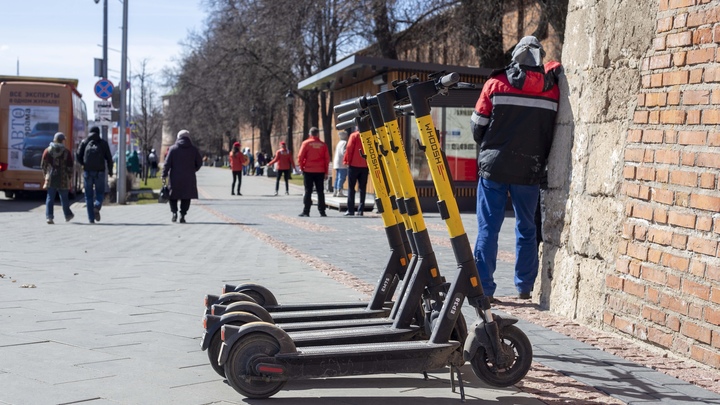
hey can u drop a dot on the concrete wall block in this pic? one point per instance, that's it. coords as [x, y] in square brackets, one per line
[562, 289]
[605, 160]
[595, 227]
[591, 291]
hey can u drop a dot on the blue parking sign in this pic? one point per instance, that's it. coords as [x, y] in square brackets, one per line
[104, 89]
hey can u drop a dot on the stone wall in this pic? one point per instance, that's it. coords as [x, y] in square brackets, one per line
[631, 214]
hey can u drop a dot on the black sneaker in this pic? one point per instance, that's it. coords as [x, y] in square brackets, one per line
[302, 214]
[69, 218]
[524, 296]
[182, 219]
[97, 214]
[174, 217]
[323, 214]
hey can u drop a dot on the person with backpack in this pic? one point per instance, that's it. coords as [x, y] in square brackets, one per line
[57, 167]
[94, 155]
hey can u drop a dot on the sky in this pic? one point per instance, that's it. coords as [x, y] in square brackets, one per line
[61, 38]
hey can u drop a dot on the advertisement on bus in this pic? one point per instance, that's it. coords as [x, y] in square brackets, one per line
[31, 129]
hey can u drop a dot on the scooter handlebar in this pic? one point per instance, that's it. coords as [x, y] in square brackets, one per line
[448, 80]
[349, 115]
[345, 125]
[345, 107]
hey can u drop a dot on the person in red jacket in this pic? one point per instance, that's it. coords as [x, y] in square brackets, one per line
[237, 161]
[314, 161]
[357, 172]
[285, 163]
[514, 122]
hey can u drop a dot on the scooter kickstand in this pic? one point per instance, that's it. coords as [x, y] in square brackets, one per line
[453, 369]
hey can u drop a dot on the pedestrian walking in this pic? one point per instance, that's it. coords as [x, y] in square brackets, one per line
[57, 167]
[238, 162]
[260, 163]
[133, 165]
[314, 161]
[357, 173]
[341, 168]
[513, 122]
[284, 162]
[153, 161]
[94, 155]
[183, 160]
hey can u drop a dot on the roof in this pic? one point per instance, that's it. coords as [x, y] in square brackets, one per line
[72, 82]
[356, 68]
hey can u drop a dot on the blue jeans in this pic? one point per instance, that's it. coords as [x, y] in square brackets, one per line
[50, 202]
[340, 175]
[94, 191]
[491, 199]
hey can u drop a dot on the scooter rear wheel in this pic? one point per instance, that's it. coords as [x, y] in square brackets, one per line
[519, 350]
[260, 294]
[213, 352]
[238, 367]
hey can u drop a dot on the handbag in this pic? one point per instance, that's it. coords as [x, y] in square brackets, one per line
[164, 196]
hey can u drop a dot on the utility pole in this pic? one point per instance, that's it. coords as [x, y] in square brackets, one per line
[122, 168]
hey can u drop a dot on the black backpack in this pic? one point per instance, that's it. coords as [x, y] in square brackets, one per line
[94, 158]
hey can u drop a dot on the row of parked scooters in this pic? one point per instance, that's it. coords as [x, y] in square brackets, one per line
[258, 344]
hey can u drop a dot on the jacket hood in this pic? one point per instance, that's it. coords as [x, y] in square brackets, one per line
[531, 79]
[56, 149]
[94, 136]
[183, 142]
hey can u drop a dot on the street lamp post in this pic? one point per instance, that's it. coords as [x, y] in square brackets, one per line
[122, 171]
[290, 101]
[252, 129]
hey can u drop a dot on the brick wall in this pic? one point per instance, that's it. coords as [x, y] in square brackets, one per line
[665, 287]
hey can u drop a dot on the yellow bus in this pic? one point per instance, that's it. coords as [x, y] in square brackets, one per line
[32, 110]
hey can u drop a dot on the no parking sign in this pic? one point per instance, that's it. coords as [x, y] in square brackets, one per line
[104, 89]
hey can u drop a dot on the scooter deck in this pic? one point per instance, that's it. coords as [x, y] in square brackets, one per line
[368, 334]
[329, 314]
[340, 323]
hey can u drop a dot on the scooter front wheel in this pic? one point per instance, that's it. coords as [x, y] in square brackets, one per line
[517, 353]
[213, 352]
[260, 294]
[239, 371]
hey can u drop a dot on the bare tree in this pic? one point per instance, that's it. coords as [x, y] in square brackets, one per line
[148, 117]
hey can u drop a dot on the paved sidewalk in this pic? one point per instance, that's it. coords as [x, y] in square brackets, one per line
[111, 313]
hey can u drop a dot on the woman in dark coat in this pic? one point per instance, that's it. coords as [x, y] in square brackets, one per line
[182, 161]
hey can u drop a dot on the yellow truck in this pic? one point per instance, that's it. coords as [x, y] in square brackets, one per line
[32, 110]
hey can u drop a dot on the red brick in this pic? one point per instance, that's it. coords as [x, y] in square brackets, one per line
[695, 311]
[660, 61]
[649, 156]
[673, 98]
[684, 178]
[664, 24]
[697, 269]
[688, 159]
[701, 291]
[708, 159]
[673, 322]
[697, 332]
[693, 117]
[682, 199]
[712, 316]
[715, 295]
[644, 193]
[680, 219]
[667, 156]
[715, 95]
[660, 216]
[705, 356]
[675, 262]
[674, 304]
[672, 116]
[711, 117]
[662, 196]
[654, 117]
[696, 97]
[641, 117]
[705, 202]
[660, 338]
[679, 39]
[713, 139]
[653, 315]
[679, 241]
[634, 155]
[629, 172]
[642, 211]
[701, 245]
[679, 58]
[675, 77]
[673, 282]
[680, 20]
[622, 247]
[637, 251]
[692, 137]
[712, 74]
[654, 256]
[634, 135]
[711, 272]
[633, 288]
[660, 236]
[703, 36]
[697, 56]
[645, 173]
[614, 282]
[607, 318]
[704, 224]
[652, 136]
[653, 295]
[653, 275]
[634, 268]
[662, 175]
[696, 76]
[640, 233]
[624, 325]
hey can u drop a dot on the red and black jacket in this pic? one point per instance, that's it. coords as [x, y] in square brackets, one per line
[514, 121]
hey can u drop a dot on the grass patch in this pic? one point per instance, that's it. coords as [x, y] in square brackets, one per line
[148, 198]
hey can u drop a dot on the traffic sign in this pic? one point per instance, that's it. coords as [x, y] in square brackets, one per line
[104, 89]
[103, 110]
